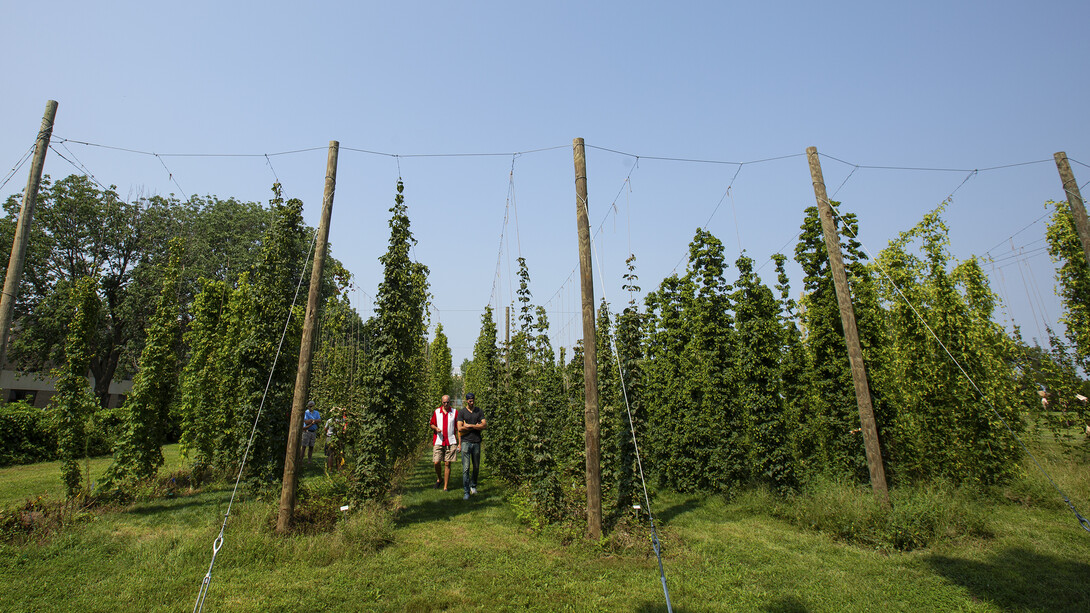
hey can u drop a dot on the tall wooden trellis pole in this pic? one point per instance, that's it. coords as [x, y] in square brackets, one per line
[22, 231]
[590, 353]
[851, 332]
[302, 376]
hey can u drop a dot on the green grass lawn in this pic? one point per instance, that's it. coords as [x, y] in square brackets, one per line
[446, 554]
[17, 483]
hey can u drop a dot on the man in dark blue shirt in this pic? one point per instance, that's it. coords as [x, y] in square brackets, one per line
[471, 422]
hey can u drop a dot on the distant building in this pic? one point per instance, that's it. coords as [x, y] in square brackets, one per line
[39, 388]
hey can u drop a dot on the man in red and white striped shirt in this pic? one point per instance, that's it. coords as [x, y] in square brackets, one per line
[444, 423]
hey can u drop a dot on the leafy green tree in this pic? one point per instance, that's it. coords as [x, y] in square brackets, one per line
[268, 381]
[340, 360]
[543, 411]
[667, 336]
[572, 431]
[510, 423]
[795, 373]
[617, 454]
[80, 231]
[83, 230]
[238, 384]
[633, 420]
[74, 402]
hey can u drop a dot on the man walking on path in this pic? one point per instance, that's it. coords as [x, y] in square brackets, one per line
[311, 419]
[470, 423]
[445, 445]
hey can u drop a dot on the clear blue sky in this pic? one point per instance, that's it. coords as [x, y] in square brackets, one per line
[952, 85]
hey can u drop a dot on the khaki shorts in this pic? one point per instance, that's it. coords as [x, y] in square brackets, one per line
[308, 438]
[440, 453]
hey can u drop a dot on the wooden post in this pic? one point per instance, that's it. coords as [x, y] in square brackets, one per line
[590, 358]
[302, 375]
[851, 333]
[22, 229]
[1074, 200]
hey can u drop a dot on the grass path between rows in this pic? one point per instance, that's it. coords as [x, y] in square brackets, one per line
[447, 554]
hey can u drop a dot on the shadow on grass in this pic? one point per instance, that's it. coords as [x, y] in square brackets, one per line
[665, 513]
[786, 604]
[449, 506]
[169, 505]
[1017, 579]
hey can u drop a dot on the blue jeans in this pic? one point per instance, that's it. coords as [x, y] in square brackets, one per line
[471, 454]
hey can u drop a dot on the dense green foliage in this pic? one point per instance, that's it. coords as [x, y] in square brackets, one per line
[1065, 248]
[138, 454]
[202, 406]
[632, 422]
[440, 365]
[698, 439]
[483, 374]
[74, 402]
[726, 382]
[243, 342]
[30, 434]
[389, 425]
[762, 342]
[82, 230]
[828, 440]
[950, 374]
[339, 360]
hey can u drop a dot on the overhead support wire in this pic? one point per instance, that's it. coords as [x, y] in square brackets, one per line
[694, 161]
[198, 155]
[934, 169]
[452, 155]
[78, 166]
[1018, 256]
